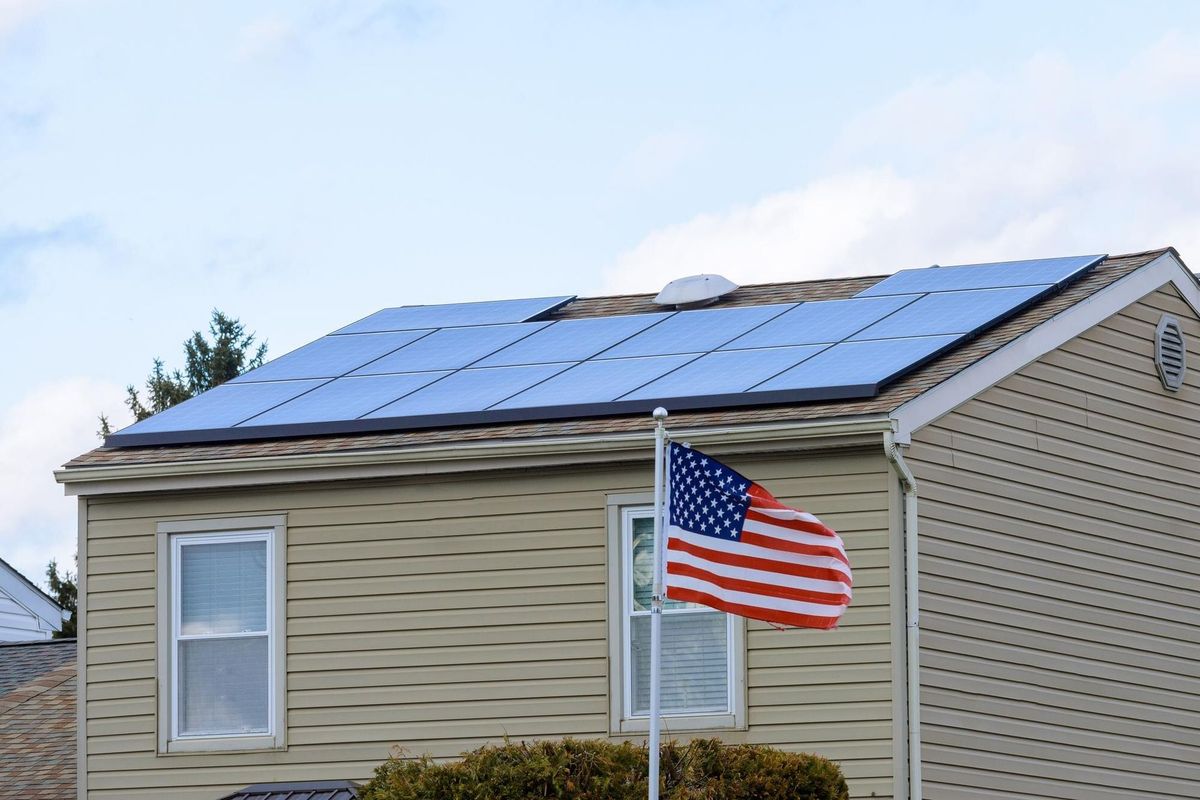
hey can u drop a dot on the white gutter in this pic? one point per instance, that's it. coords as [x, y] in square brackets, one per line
[459, 456]
[912, 599]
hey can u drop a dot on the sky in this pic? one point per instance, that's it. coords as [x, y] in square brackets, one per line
[301, 164]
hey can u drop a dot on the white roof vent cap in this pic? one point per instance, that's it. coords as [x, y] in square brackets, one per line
[695, 291]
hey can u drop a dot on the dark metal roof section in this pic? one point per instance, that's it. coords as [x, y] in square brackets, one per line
[305, 790]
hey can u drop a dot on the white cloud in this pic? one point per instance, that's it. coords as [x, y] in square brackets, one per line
[48, 426]
[14, 13]
[1049, 158]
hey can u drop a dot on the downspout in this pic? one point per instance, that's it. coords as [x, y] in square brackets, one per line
[912, 612]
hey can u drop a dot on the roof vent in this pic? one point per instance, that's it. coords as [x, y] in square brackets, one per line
[695, 291]
[1170, 353]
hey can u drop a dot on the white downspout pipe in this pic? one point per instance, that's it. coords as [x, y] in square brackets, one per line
[912, 603]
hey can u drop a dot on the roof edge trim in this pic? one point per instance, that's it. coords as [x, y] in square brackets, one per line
[452, 457]
[1049, 335]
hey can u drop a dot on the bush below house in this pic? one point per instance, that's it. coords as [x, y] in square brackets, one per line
[575, 769]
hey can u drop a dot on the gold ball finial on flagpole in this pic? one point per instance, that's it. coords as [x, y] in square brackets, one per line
[660, 413]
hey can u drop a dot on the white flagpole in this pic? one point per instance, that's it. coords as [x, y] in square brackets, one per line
[656, 600]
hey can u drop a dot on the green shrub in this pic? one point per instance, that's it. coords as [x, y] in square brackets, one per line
[575, 769]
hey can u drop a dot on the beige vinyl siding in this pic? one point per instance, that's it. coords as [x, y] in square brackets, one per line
[1060, 576]
[440, 614]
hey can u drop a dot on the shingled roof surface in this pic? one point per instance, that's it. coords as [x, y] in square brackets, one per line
[37, 720]
[894, 395]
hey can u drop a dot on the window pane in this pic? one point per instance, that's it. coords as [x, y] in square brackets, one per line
[223, 686]
[224, 587]
[695, 663]
[643, 566]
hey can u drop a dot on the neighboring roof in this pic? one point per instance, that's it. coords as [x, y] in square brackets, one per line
[892, 396]
[25, 592]
[22, 662]
[37, 721]
[307, 790]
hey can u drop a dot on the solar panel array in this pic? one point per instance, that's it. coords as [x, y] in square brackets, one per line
[425, 366]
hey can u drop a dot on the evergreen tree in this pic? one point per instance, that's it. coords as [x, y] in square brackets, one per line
[65, 593]
[227, 352]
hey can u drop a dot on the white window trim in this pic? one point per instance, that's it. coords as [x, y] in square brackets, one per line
[619, 509]
[274, 530]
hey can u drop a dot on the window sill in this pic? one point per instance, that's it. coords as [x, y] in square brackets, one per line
[680, 724]
[223, 744]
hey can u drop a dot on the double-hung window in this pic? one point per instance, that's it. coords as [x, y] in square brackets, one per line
[220, 636]
[702, 649]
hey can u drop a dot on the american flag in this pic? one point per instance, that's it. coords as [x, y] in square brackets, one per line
[734, 547]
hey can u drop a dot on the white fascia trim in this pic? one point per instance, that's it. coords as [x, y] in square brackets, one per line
[1053, 333]
[456, 456]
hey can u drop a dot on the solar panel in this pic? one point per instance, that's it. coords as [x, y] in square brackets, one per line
[724, 372]
[478, 362]
[1042, 271]
[696, 331]
[859, 366]
[224, 406]
[489, 312]
[469, 390]
[595, 382]
[820, 321]
[572, 340]
[951, 312]
[345, 398]
[450, 348]
[331, 356]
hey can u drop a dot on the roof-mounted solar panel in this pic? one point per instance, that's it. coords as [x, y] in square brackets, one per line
[450, 348]
[952, 312]
[696, 331]
[223, 407]
[820, 321]
[468, 390]
[479, 363]
[331, 356]
[572, 340]
[488, 312]
[1057, 272]
[345, 399]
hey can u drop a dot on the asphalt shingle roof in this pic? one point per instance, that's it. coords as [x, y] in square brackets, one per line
[894, 395]
[37, 720]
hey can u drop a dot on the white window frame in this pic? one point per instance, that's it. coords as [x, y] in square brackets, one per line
[172, 536]
[622, 509]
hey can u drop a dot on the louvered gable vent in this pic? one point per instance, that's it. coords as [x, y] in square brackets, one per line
[1170, 352]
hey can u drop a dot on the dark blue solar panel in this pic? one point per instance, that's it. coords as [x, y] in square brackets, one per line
[595, 382]
[450, 348]
[724, 372]
[696, 331]
[820, 321]
[469, 390]
[222, 407]
[331, 356]
[951, 312]
[854, 364]
[491, 312]
[572, 340]
[1041, 271]
[345, 398]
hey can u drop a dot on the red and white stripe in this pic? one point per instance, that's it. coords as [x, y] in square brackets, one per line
[788, 568]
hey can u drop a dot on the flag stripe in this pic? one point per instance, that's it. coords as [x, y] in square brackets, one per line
[816, 528]
[820, 571]
[763, 602]
[756, 587]
[838, 587]
[766, 540]
[777, 617]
